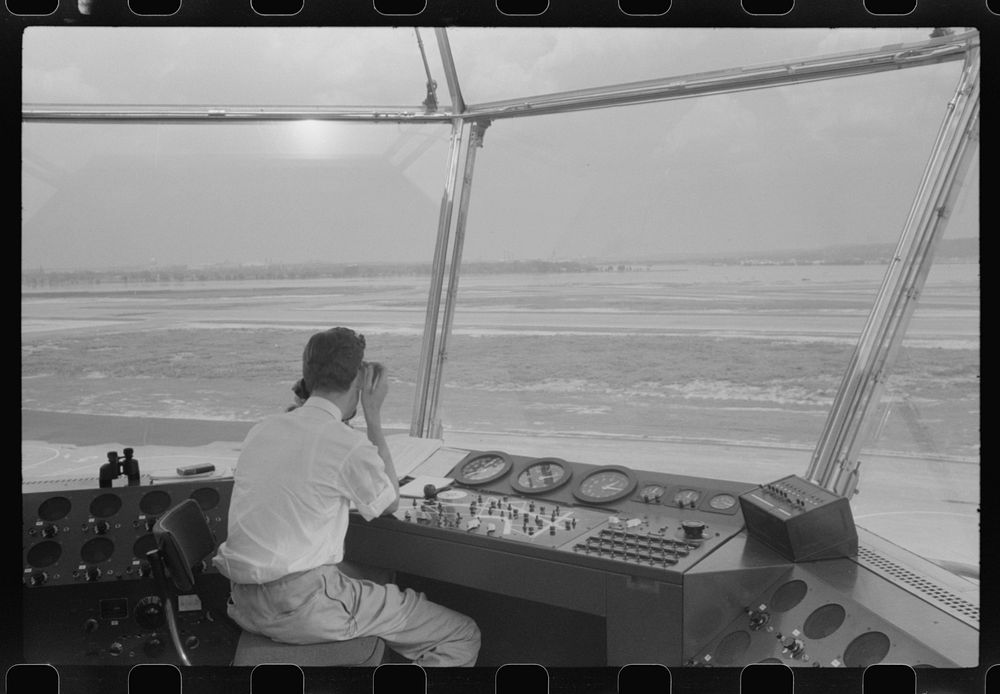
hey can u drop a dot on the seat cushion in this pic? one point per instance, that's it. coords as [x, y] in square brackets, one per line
[254, 649]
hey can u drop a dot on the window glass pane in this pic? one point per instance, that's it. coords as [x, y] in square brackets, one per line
[498, 63]
[178, 270]
[680, 286]
[921, 466]
[306, 66]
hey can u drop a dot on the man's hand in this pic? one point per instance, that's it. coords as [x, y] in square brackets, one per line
[374, 388]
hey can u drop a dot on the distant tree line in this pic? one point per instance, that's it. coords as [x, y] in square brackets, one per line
[40, 277]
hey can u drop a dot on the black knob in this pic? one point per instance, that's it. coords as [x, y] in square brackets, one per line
[38, 578]
[191, 642]
[90, 626]
[116, 648]
[693, 529]
[49, 531]
[93, 573]
[430, 491]
[101, 527]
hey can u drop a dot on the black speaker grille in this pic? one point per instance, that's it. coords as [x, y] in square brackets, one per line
[788, 596]
[868, 649]
[824, 621]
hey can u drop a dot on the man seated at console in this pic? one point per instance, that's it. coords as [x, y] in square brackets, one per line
[297, 475]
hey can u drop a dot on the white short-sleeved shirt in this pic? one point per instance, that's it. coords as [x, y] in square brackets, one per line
[295, 479]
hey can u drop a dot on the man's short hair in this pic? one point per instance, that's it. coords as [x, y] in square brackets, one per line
[331, 359]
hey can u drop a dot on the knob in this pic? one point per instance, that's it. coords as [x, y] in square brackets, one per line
[116, 648]
[49, 531]
[90, 626]
[101, 527]
[794, 646]
[191, 642]
[93, 573]
[430, 491]
[38, 578]
[758, 619]
[154, 647]
[693, 529]
[149, 612]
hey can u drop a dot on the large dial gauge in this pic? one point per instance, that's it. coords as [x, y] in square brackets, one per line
[542, 475]
[483, 467]
[605, 484]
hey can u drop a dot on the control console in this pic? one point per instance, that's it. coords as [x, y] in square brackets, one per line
[800, 520]
[606, 517]
[88, 595]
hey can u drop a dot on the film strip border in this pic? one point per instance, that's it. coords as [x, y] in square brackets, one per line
[549, 12]
[524, 678]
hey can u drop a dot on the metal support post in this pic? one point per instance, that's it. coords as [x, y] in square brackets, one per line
[475, 142]
[418, 419]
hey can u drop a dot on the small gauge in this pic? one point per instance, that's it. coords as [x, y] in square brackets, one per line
[722, 502]
[605, 484]
[651, 493]
[483, 468]
[542, 475]
[687, 498]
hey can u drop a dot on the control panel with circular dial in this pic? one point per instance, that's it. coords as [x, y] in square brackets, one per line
[651, 493]
[483, 468]
[686, 498]
[722, 502]
[542, 475]
[605, 484]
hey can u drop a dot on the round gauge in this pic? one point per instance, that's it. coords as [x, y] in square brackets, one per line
[206, 497]
[105, 505]
[687, 498]
[483, 468]
[542, 475]
[722, 502]
[605, 484]
[651, 493]
[54, 508]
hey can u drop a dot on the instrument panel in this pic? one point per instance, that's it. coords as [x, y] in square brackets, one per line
[593, 485]
[87, 536]
[593, 515]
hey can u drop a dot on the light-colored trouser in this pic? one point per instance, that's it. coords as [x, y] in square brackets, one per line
[326, 604]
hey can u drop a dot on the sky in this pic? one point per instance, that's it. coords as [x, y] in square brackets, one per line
[806, 166]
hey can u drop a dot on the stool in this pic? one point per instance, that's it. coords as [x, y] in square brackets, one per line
[367, 651]
[254, 649]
